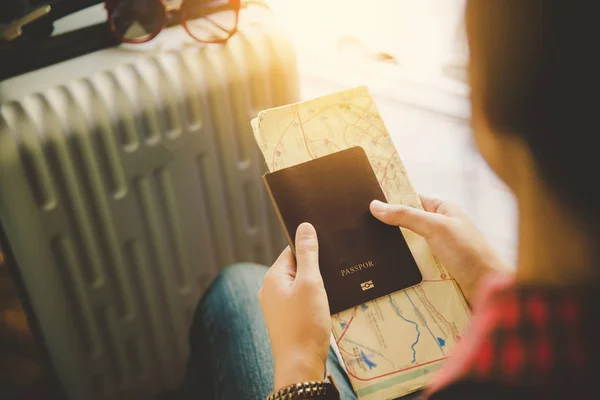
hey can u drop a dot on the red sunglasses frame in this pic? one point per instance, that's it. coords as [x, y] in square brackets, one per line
[111, 6]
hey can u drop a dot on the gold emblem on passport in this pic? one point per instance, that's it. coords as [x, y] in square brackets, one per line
[367, 285]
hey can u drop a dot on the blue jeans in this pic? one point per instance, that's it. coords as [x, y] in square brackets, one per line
[230, 353]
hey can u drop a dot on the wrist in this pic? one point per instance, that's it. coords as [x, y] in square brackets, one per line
[492, 265]
[299, 367]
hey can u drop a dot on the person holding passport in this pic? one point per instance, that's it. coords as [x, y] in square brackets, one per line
[535, 331]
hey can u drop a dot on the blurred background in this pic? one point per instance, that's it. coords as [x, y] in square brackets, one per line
[411, 54]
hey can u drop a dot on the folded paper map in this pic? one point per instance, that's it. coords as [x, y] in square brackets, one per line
[389, 346]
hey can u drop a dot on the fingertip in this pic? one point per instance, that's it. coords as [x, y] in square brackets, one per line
[306, 238]
[430, 204]
[378, 208]
[305, 229]
[286, 254]
[307, 251]
[284, 267]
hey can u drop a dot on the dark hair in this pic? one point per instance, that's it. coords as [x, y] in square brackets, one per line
[536, 65]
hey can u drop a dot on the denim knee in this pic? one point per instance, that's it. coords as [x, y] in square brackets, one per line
[234, 284]
[228, 326]
[244, 272]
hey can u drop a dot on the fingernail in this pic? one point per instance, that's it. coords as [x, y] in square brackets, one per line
[305, 229]
[378, 207]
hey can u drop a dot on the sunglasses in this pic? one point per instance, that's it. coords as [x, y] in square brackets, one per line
[139, 21]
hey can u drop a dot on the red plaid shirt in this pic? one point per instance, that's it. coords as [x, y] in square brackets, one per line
[526, 342]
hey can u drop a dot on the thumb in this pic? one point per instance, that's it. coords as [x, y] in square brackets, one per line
[307, 252]
[421, 222]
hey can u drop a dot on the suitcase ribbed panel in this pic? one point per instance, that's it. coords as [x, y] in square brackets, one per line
[124, 193]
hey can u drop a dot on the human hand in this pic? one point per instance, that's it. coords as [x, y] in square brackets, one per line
[296, 312]
[452, 237]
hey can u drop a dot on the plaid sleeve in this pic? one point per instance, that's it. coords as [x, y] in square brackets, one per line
[526, 340]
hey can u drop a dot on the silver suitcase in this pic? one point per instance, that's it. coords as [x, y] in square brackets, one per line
[127, 180]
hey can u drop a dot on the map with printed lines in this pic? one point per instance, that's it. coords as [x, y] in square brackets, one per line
[391, 345]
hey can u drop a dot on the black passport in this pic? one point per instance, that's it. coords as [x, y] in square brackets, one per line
[361, 258]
